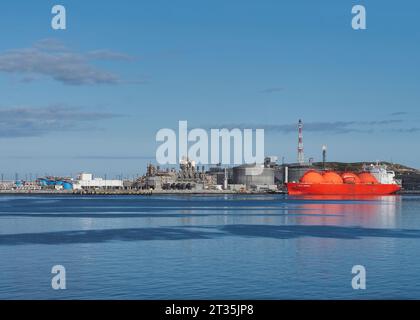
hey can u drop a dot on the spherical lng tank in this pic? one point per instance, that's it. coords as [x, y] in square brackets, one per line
[332, 177]
[350, 177]
[313, 177]
[367, 178]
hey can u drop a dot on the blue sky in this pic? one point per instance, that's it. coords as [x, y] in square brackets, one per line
[92, 97]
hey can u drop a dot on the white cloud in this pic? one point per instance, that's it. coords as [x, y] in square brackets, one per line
[51, 58]
[32, 122]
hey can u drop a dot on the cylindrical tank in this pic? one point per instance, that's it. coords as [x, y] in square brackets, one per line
[312, 176]
[332, 177]
[251, 175]
[295, 173]
[350, 177]
[367, 178]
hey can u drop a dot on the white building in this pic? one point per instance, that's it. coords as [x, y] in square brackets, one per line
[87, 181]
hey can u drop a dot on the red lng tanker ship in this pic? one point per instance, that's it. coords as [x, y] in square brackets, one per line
[375, 180]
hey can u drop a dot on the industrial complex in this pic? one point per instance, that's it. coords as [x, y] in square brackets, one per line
[267, 177]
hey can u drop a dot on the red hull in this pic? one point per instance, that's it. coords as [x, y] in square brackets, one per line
[298, 188]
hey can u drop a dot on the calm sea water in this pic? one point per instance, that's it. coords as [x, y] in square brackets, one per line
[209, 247]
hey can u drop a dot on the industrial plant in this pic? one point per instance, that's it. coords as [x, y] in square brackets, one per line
[268, 177]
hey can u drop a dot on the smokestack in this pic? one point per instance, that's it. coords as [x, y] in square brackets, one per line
[324, 155]
[225, 180]
[301, 157]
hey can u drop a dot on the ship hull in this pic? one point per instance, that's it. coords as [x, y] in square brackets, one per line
[298, 188]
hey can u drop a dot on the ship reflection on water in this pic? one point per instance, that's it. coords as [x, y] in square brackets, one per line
[346, 209]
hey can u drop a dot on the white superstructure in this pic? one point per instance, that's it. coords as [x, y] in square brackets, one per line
[381, 174]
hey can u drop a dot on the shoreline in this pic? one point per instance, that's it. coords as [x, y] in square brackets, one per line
[127, 192]
[150, 193]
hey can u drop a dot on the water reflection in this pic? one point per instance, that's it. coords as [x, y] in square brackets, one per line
[361, 210]
[222, 247]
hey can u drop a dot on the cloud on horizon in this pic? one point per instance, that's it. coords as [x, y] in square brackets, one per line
[272, 90]
[399, 113]
[336, 127]
[52, 59]
[406, 130]
[85, 157]
[35, 122]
